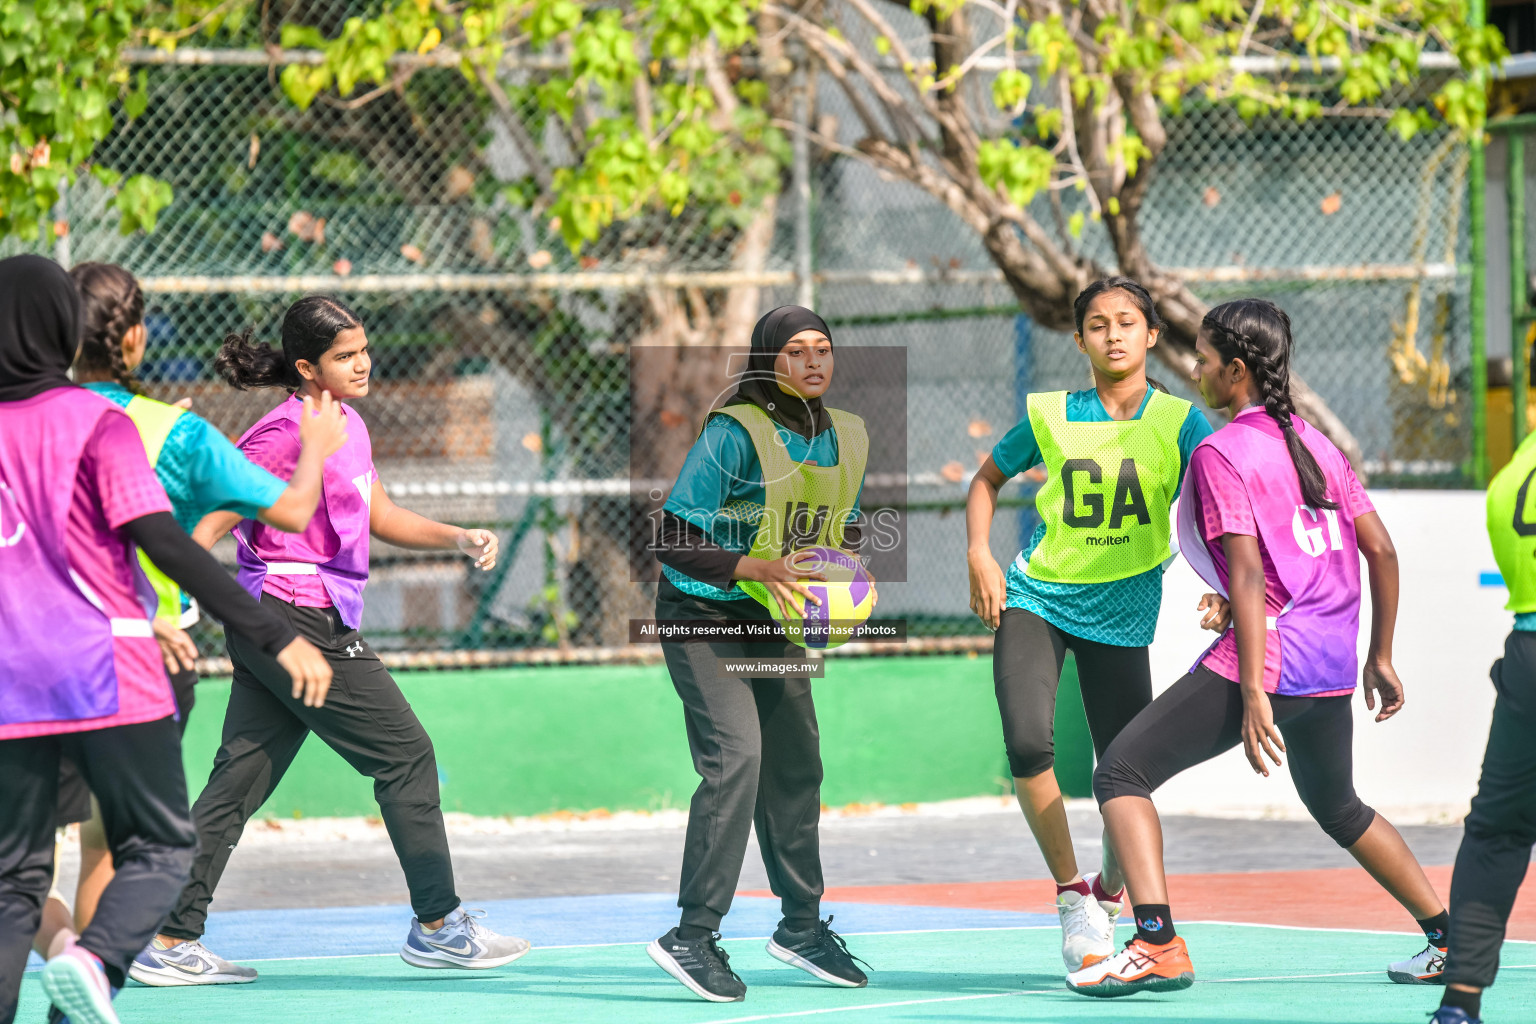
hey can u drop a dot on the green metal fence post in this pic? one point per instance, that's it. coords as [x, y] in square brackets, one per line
[1478, 293]
[1519, 306]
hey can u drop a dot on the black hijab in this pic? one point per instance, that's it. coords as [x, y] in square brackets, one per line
[39, 326]
[805, 416]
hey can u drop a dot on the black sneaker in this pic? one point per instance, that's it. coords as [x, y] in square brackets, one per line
[701, 965]
[819, 951]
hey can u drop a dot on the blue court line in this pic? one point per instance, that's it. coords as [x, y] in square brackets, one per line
[556, 921]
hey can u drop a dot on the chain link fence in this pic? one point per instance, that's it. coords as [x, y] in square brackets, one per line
[502, 392]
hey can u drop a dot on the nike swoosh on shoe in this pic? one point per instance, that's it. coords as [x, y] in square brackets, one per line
[468, 949]
[194, 967]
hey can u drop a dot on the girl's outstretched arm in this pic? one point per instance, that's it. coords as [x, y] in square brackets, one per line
[1378, 676]
[988, 589]
[406, 529]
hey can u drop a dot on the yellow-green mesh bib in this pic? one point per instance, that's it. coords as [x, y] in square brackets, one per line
[803, 505]
[1512, 526]
[1106, 500]
[154, 421]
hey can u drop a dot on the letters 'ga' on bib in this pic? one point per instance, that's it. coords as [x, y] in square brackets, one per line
[1512, 526]
[1106, 500]
[155, 421]
[804, 505]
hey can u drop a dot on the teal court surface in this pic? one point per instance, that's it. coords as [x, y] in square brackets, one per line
[927, 963]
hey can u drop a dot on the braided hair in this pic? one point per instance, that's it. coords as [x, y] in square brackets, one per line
[111, 303]
[1259, 333]
[309, 329]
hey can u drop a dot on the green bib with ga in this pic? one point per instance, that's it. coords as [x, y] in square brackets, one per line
[1512, 526]
[155, 421]
[1110, 485]
[803, 505]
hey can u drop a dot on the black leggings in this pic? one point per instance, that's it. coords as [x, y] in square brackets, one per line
[1201, 716]
[1116, 683]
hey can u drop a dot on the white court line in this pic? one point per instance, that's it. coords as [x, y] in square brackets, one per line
[1025, 992]
[910, 931]
[737, 938]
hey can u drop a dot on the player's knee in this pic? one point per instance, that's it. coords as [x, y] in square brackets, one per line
[1025, 762]
[1346, 822]
[1118, 777]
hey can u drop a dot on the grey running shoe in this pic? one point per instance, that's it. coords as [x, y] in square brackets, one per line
[701, 965]
[819, 952]
[462, 942]
[186, 963]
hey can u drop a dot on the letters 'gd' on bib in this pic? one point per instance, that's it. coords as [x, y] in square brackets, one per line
[804, 505]
[1106, 499]
[1512, 526]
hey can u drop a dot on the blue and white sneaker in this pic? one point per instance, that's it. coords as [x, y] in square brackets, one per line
[1453, 1015]
[78, 988]
[186, 963]
[461, 942]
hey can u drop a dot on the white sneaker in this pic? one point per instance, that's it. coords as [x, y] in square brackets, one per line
[1428, 968]
[461, 942]
[1111, 908]
[1086, 929]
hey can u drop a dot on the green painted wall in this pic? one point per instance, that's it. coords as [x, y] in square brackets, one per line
[531, 740]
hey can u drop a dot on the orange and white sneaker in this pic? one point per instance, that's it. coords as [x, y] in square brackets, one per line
[1139, 967]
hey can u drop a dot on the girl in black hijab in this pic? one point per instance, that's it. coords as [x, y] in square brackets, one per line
[772, 472]
[39, 327]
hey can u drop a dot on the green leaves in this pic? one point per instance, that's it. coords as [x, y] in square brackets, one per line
[1021, 171]
[61, 82]
[139, 202]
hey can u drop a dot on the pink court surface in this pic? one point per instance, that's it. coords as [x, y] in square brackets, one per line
[323, 921]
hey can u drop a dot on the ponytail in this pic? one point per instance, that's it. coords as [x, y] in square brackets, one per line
[1259, 333]
[246, 364]
[309, 328]
[111, 303]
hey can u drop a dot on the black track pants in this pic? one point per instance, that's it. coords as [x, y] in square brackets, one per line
[365, 719]
[135, 772]
[1501, 828]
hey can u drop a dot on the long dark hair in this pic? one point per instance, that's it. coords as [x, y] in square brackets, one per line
[1259, 333]
[1140, 298]
[309, 328]
[111, 303]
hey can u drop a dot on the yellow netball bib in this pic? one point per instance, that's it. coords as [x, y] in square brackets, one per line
[1110, 487]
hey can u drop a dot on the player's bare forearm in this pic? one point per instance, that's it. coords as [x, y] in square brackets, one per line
[213, 526]
[406, 529]
[294, 508]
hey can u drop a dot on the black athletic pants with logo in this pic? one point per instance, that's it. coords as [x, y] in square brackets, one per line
[365, 719]
[757, 751]
[1116, 683]
[1501, 828]
[135, 772]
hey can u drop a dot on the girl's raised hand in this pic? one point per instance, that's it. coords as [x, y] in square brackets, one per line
[1218, 613]
[989, 592]
[323, 425]
[481, 545]
[1380, 677]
